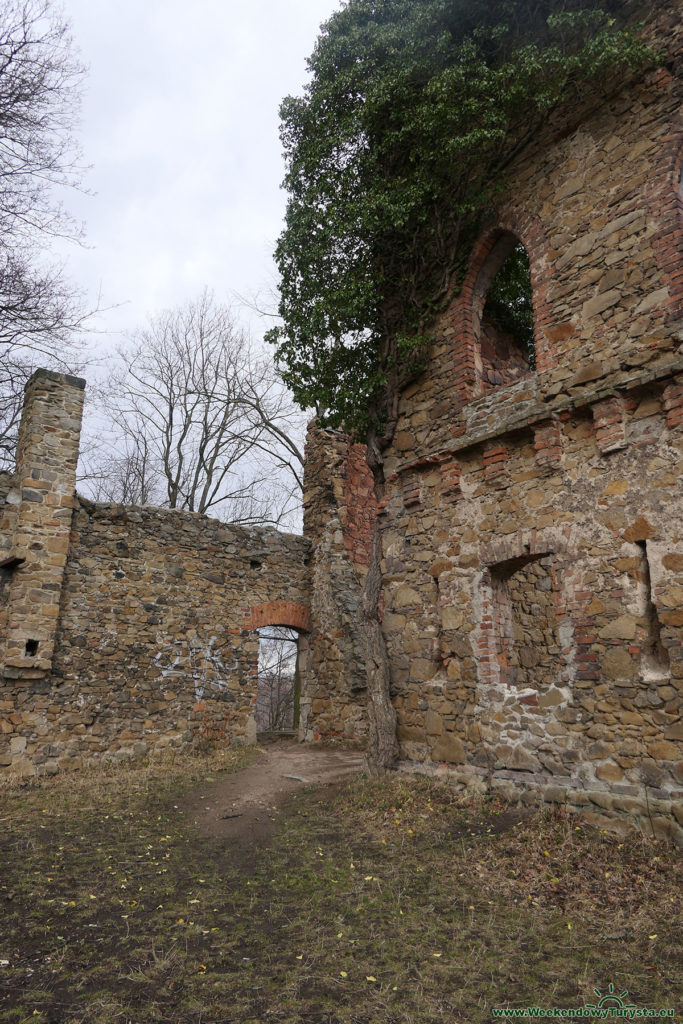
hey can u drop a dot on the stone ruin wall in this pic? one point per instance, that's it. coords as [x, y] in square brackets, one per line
[35, 522]
[339, 515]
[126, 628]
[157, 641]
[533, 531]
[532, 537]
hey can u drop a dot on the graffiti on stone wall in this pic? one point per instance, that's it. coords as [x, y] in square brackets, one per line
[202, 663]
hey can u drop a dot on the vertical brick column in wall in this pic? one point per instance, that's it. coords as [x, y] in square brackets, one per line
[450, 471]
[47, 454]
[410, 490]
[339, 515]
[548, 444]
[610, 425]
[664, 197]
[495, 465]
[360, 507]
[458, 331]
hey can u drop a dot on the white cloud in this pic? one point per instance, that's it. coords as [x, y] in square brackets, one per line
[181, 127]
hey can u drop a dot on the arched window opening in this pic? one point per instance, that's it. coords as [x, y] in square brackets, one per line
[503, 315]
[278, 690]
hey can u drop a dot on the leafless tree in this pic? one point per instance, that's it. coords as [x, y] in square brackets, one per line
[123, 476]
[199, 423]
[39, 106]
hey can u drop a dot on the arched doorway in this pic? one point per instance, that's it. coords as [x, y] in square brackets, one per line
[282, 628]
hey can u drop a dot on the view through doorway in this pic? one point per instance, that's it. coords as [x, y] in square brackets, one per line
[278, 690]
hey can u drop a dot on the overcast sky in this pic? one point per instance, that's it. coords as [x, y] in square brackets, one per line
[180, 125]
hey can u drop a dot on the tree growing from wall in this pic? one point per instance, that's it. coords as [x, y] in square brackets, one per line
[39, 102]
[394, 154]
[200, 423]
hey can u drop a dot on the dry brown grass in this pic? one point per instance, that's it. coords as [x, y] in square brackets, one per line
[396, 902]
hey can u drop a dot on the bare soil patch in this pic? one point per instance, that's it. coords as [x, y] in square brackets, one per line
[246, 807]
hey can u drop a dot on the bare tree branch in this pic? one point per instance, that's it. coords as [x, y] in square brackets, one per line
[200, 423]
[39, 106]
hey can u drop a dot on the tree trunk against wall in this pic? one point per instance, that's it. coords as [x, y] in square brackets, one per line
[382, 749]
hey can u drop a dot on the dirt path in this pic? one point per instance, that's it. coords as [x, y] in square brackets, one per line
[245, 807]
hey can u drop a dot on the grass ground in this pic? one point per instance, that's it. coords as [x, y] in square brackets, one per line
[391, 901]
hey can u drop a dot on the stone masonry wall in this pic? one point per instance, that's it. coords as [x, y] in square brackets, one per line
[534, 621]
[533, 537]
[35, 521]
[532, 527]
[157, 640]
[126, 628]
[339, 515]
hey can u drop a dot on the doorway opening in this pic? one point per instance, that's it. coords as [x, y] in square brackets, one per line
[278, 691]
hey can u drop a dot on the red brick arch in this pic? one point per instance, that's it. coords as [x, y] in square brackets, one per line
[279, 613]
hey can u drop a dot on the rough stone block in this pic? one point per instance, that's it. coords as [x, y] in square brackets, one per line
[449, 748]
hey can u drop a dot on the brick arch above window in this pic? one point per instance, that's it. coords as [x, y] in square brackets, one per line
[279, 613]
